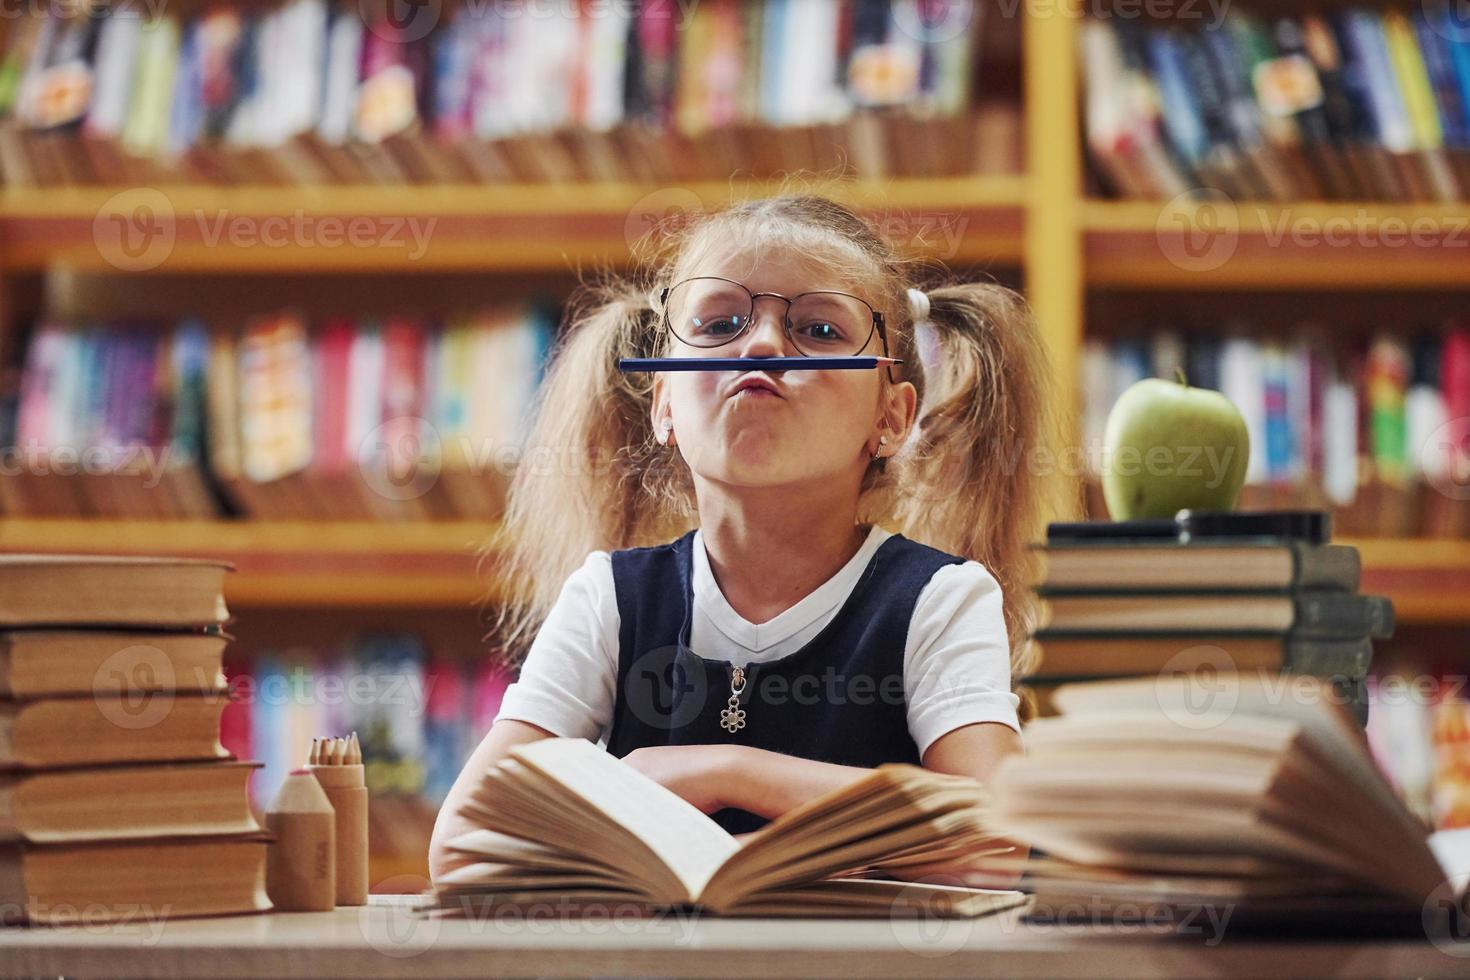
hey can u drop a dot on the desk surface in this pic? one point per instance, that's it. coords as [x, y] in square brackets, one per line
[386, 939]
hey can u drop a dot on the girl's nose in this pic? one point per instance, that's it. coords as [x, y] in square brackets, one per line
[767, 335]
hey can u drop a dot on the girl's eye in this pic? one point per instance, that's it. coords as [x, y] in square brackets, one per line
[822, 332]
[716, 326]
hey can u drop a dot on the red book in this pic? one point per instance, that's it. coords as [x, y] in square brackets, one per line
[329, 421]
[1455, 384]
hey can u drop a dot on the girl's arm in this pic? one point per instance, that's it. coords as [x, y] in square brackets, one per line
[771, 783]
[502, 737]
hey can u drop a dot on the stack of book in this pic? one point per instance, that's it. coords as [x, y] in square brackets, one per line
[1348, 104]
[1247, 809]
[1221, 593]
[117, 801]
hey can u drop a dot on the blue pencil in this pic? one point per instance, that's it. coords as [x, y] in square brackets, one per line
[631, 365]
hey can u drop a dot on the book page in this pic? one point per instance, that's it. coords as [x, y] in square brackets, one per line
[691, 844]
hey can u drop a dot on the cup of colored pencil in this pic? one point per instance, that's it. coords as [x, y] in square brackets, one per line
[337, 765]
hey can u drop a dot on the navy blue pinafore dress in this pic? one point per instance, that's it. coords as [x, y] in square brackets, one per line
[840, 698]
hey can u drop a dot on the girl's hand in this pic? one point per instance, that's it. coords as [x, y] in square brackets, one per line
[700, 774]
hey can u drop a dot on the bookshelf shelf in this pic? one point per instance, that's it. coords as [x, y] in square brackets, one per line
[438, 565]
[448, 227]
[1427, 578]
[1252, 246]
[296, 564]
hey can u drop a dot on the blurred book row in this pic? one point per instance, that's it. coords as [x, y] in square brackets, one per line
[391, 418]
[1419, 731]
[1352, 104]
[307, 92]
[418, 716]
[1375, 429]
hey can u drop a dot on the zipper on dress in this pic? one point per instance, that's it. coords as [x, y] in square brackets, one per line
[732, 718]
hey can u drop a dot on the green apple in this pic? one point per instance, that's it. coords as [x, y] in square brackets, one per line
[1168, 447]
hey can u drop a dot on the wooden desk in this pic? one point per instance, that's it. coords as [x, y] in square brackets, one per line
[385, 939]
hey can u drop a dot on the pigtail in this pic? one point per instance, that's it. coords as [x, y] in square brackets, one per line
[970, 482]
[591, 475]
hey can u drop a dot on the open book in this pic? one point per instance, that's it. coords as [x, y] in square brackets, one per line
[564, 821]
[1253, 790]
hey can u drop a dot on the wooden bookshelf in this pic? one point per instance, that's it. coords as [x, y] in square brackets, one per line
[451, 564]
[1252, 246]
[490, 228]
[1428, 579]
[305, 564]
[1039, 221]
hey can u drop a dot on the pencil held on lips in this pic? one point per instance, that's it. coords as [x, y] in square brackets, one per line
[635, 365]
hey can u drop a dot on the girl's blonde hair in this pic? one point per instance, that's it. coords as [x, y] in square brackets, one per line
[594, 477]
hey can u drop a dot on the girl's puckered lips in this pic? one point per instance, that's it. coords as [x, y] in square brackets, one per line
[758, 380]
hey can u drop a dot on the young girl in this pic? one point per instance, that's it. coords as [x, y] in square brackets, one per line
[701, 560]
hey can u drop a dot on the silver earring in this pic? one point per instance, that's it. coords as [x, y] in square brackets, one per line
[882, 441]
[665, 429]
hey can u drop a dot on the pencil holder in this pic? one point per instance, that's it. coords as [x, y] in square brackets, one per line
[337, 766]
[301, 862]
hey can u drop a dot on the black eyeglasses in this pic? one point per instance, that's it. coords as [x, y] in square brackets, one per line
[711, 311]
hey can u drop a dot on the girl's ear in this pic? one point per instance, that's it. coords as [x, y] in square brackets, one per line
[897, 413]
[661, 416]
